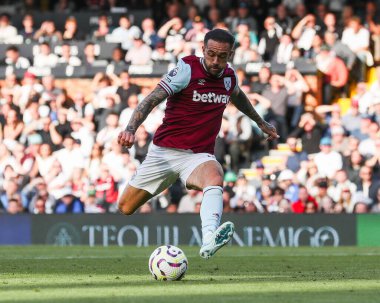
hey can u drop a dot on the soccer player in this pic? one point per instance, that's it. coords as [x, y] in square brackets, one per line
[197, 92]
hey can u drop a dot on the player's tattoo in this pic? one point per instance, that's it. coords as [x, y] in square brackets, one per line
[242, 103]
[145, 107]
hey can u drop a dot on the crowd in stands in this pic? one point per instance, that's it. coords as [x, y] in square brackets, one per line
[59, 150]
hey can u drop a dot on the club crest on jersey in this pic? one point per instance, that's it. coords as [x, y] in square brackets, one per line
[227, 83]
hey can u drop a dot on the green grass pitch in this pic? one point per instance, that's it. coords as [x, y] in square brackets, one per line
[120, 274]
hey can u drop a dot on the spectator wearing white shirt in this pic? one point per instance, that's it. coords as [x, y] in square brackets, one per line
[108, 133]
[357, 38]
[139, 53]
[304, 32]
[327, 160]
[70, 156]
[7, 32]
[45, 58]
[125, 33]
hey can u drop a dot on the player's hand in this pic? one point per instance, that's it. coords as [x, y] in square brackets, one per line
[126, 139]
[270, 130]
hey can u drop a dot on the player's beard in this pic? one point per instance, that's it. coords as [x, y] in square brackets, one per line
[214, 70]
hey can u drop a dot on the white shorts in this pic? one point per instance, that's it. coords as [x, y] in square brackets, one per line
[163, 166]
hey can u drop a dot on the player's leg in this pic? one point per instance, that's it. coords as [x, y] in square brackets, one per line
[208, 177]
[132, 198]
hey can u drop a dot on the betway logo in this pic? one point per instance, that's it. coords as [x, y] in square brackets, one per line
[210, 98]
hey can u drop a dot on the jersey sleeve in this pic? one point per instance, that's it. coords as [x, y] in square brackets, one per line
[177, 79]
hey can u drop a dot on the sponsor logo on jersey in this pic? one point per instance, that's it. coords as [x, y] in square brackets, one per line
[227, 83]
[210, 98]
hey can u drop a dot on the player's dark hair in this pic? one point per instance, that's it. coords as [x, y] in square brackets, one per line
[220, 35]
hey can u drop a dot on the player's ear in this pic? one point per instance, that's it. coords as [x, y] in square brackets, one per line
[231, 56]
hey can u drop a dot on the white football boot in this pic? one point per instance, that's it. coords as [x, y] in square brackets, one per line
[216, 240]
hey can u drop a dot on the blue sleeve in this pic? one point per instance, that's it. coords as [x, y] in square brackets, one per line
[177, 79]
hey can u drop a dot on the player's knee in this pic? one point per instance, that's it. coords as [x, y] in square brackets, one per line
[125, 209]
[215, 180]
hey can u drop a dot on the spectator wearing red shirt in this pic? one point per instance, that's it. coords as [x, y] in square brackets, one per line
[299, 207]
[106, 189]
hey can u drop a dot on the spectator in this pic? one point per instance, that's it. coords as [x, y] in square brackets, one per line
[361, 203]
[125, 89]
[28, 31]
[90, 56]
[67, 203]
[243, 15]
[278, 95]
[354, 163]
[335, 74]
[66, 57]
[14, 206]
[139, 53]
[192, 13]
[244, 53]
[71, 31]
[295, 159]
[13, 58]
[341, 50]
[340, 183]
[110, 131]
[142, 144]
[45, 58]
[262, 83]
[239, 138]
[213, 18]
[71, 151]
[106, 190]
[125, 33]
[297, 87]
[92, 164]
[269, 39]
[11, 192]
[8, 32]
[351, 119]
[283, 51]
[327, 160]
[368, 184]
[304, 32]
[173, 32]
[13, 127]
[102, 30]
[90, 203]
[150, 36]
[356, 37]
[302, 204]
[367, 147]
[188, 201]
[286, 181]
[283, 20]
[243, 30]
[41, 202]
[48, 33]
[160, 55]
[198, 31]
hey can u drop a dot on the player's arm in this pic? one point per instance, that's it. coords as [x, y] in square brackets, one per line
[127, 137]
[242, 103]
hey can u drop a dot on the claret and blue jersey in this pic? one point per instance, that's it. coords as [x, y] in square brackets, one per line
[195, 105]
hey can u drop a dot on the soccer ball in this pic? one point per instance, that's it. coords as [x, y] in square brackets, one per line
[168, 263]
